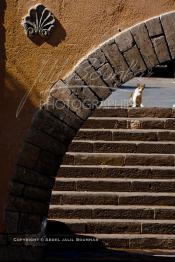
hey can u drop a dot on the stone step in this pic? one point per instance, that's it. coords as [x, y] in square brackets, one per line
[125, 134]
[119, 159]
[122, 147]
[134, 112]
[114, 185]
[99, 171]
[129, 123]
[117, 226]
[112, 198]
[111, 212]
[136, 241]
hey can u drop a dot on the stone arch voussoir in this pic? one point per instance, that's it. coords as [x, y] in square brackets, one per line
[71, 101]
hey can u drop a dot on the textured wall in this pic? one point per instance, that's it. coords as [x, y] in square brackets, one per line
[35, 66]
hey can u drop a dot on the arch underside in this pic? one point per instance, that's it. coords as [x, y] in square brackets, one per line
[71, 101]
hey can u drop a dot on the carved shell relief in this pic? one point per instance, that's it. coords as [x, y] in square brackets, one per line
[39, 21]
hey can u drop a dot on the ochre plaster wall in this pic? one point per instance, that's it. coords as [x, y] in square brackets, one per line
[30, 67]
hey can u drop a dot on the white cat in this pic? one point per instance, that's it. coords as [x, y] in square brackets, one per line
[135, 99]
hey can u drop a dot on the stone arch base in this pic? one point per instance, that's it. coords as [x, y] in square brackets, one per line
[71, 101]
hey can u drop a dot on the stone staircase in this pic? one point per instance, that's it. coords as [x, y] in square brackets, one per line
[117, 182]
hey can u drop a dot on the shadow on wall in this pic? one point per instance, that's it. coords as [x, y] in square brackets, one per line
[11, 133]
[12, 128]
[58, 35]
[2, 46]
[3, 6]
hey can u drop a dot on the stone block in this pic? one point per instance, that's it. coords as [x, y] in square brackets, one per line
[151, 200]
[111, 112]
[149, 160]
[97, 58]
[94, 135]
[68, 159]
[82, 91]
[163, 173]
[93, 80]
[143, 42]
[73, 80]
[164, 214]
[37, 193]
[120, 213]
[29, 223]
[166, 136]
[98, 159]
[11, 220]
[56, 199]
[115, 147]
[158, 228]
[113, 227]
[32, 206]
[48, 163]
[154, 27]
[80, 147]
[103, 186]
[30, 177]
[16, 188]
[151, 243]
[134, 135]
[150, 112]
[61, 92]
[154, 148]
[70, 213]
[161, 49]
[52, 126]
[168, 23]
[108, 75]
[170, 124]
[28, 156]
[63, 113]
[152, 124]
[106, 123]
[124, 41]
[90, 199]
[135, 60]
[152, 186]
[45, 142]
[117, 61]
[64, 186]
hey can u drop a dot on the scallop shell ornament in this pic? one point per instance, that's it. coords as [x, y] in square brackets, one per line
[39, 21]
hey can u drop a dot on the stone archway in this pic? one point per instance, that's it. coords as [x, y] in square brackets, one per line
[71, 101]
